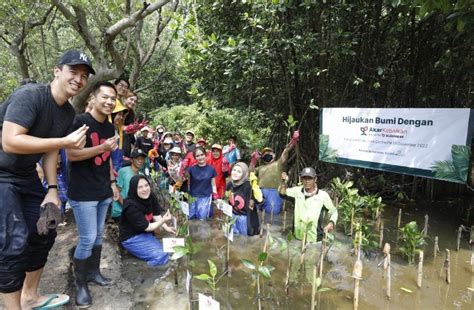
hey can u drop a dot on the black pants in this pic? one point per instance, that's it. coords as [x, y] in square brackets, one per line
[21, 248]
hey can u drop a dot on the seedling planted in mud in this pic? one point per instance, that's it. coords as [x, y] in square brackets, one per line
[258, 270]
[189, 249]
[411, 241]
[210, 278]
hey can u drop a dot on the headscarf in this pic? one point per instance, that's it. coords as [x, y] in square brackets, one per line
[146, 205]
[245, 173]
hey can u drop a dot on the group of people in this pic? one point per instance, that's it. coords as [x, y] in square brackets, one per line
[114, 159]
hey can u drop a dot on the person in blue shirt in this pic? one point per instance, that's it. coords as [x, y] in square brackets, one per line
[202, 185]
[231, 152]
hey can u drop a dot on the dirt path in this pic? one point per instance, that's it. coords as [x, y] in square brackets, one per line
[58, 277]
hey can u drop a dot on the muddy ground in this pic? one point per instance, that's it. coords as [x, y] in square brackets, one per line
[58, 276]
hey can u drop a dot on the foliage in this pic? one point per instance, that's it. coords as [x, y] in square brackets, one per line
[373, 204]
[455, 170]
[210, 278]
[325, 152]
[368, 239]
[349, 201]
[250, 127]
[259, 268]
[189, 248]
[411, 240]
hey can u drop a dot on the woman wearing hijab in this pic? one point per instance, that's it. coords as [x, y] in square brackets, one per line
[221, 165]
[140, 218]
[243, 198]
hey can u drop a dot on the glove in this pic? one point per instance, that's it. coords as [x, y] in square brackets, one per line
[50, 217]
[177, 186]
[253, 179]
[152, 154]
[255, 156]
[257, 192]
[295, 138]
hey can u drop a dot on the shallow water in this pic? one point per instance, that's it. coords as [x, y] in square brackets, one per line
[155, 288]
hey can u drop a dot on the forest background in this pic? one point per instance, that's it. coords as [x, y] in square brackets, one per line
[257, 69]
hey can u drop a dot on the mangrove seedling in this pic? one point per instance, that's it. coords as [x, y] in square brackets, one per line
[258, 270]
[316, 289]
[188, 250]
[284, 246]
[210, 278]
[411, 240]
[374, 206]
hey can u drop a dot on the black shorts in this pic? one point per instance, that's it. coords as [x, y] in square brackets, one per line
[21, 248]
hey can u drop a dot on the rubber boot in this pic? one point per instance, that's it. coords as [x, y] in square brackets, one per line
[94, 274]
[83, 297]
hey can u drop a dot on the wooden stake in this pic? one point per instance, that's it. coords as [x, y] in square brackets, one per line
[425, 228]
[436, 247]
[303, 250]
[399, 218]
[386, 267]
[447, 266]
[381, 235]
[458, 244]
[420, 269]
[313, 288]
[352, 221]
[271, 213]
[262, 224]
[284, 216]
[357, 275]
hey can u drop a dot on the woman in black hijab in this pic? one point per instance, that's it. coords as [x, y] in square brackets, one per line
[141, 216]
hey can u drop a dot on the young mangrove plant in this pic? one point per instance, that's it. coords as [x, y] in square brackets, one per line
[188, 250]
[373, 205]
[411, 240]
[367, 238]
[284, 246]
[210, 278]
[259, 269]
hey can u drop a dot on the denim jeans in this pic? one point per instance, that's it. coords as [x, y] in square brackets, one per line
[90, 221]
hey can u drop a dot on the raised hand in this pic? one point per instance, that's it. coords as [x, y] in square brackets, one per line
[77, 138]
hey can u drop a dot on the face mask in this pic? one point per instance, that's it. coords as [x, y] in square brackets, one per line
[267, 158]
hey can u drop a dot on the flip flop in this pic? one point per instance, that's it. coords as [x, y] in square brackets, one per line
[53, 301]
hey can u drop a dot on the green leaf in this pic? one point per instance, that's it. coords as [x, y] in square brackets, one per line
[265, 271]
[203, 277]
[212, 268]
[290, 236]
[262, 256]
[406, 290]
[248, 264]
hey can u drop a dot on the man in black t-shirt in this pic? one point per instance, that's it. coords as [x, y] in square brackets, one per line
[92, 188]
[34, 123]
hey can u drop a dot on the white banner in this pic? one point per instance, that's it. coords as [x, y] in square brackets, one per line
[428, 142]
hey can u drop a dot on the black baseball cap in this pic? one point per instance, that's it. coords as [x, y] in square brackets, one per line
[76, 57]
[137, 153]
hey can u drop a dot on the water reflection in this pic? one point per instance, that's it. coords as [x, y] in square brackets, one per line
[155, 289]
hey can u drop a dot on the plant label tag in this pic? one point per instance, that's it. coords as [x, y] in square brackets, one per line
[184, 207]
[225, 207]
[228, 234]
[207, 303]
[170, 189]
[170, 243]
[188, 281]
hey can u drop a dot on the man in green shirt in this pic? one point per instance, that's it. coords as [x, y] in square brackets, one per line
[311, 203]
[125, 174]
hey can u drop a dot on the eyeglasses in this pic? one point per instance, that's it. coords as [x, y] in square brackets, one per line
[122, 85]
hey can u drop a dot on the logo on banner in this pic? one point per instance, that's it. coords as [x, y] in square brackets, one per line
[363, 130]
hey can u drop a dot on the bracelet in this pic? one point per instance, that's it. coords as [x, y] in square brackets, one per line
[113, 181]
[52, 186]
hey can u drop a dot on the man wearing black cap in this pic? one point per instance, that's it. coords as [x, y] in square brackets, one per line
[34, 124]
[310, 203]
